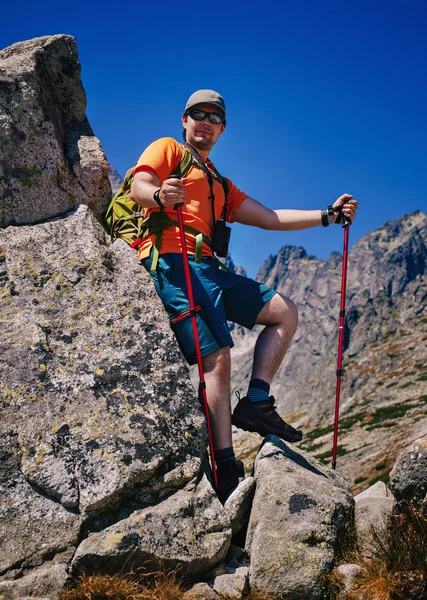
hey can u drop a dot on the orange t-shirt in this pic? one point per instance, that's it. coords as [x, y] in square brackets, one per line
[162, 157]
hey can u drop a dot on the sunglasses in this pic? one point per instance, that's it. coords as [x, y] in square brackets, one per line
[199, 115]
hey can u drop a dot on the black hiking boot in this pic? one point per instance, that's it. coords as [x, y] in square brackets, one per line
[230, 473]
[262, 418]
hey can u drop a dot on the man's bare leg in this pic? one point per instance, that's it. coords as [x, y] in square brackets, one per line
[217, 376]
[281, 319]
[256, 411]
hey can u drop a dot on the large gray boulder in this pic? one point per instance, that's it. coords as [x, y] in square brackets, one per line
[50, 159]
[99, 417]
[373, 509]
[300, 512]
[408, 478]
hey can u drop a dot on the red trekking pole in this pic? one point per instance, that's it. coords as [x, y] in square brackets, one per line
[202, 385]
[346, 225]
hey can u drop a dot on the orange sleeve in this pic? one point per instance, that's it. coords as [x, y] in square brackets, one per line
[162, 157]
[234, 199]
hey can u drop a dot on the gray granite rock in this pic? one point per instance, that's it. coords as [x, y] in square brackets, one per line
[43, 583]
[233, 585]
[349, 572]
[238, 505]
[50, 159]
[201, 591]
[408, 479]
[189, 532]
[300, 512]
[99, 417]
[373, 509]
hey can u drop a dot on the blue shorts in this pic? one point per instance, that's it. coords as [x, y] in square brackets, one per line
[221, 295]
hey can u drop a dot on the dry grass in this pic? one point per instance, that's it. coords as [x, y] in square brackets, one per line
[158, 586]
[399, 571]
[253, 596]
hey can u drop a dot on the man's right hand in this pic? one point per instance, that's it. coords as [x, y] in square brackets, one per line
[172, 192]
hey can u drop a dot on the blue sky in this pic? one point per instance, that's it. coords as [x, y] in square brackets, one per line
[323, 97]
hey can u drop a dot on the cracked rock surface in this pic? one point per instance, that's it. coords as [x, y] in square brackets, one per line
[98, 415]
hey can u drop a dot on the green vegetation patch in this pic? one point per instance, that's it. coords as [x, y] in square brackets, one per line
[386, 425]
[341, 451]
[318, 432]
[392, 384]
[350, 421]
[394, 411]
[381, 466]
[310, 448]
[360, 479]
[385, 478]
[389, 334]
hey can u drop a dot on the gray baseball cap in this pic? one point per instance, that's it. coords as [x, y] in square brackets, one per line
[202, 96]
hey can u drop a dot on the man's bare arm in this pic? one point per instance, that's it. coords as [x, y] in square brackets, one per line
[145, 183]
[251, 212]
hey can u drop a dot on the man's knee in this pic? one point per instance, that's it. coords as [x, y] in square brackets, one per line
[290, 315]
[280, 310]
[217, 361]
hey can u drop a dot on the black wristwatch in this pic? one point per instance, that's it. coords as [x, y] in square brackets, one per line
[156, 197]
[328, 216]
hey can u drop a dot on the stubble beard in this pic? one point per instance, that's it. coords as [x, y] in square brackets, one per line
[204, 144]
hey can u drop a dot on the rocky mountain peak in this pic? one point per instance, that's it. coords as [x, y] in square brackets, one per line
[116, 179]
[385, 260]
[384, 343]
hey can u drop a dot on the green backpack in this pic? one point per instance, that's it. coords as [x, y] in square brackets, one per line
[126, 219]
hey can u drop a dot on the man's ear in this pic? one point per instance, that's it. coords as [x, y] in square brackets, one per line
[223, 126]
[184, 120]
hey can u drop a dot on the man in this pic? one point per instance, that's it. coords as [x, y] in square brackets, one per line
[222, 296]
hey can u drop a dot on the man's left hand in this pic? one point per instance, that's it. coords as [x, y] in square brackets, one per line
[349, 206]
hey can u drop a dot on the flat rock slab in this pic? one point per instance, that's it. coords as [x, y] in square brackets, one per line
[299, 512]
[189, 532]
[233, 585]
[43, 583]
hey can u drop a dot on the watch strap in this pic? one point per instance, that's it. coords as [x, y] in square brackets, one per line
[325, 219]
[156, 197]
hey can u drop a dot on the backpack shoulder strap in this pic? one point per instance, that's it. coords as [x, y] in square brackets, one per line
[186, 162]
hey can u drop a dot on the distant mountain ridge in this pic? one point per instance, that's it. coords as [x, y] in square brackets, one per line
[116, 180]
[386, 333]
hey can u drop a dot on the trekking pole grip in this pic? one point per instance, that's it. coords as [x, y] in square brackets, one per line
[179, 204]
